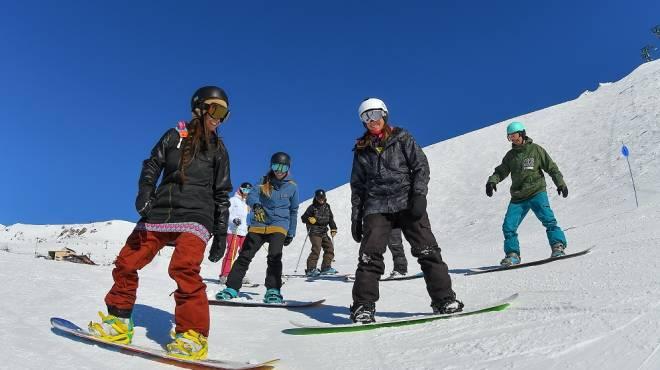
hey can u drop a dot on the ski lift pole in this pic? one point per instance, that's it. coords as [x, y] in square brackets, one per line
[626, 153]
[301, 251]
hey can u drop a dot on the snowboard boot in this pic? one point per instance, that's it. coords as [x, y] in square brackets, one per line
[190, 345]
[273, 296]
[112, 329]
[328, 271]
[226, 294]
[557, 250]
[363, 313]
[511, 259]
[312, 272]
[396, 274]
[447, 306]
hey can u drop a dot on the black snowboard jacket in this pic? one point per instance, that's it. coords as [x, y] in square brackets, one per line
[324, 218]
[383, 181]
[204, 195]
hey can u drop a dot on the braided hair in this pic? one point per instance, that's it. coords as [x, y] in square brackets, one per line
[199, 140]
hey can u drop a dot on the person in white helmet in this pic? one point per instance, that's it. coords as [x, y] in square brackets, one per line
[389, 183]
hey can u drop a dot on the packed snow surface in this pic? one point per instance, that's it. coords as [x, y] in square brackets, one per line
[599, 311]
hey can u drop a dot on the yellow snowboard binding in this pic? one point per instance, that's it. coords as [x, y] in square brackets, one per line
[190, 345]
[112, 329]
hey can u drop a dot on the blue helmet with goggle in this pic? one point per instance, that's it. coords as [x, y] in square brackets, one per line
[280, 162]
[514, 127]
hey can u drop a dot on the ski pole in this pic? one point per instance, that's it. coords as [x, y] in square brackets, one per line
[301, 251]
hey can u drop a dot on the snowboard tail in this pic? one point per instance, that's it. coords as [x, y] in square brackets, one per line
[305, 329]
[217, 281]
[158, 355]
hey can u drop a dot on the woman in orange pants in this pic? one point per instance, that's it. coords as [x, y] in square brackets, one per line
[188, 206]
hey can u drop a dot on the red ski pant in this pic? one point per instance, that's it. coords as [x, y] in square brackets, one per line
[234, 246]
[192, 306]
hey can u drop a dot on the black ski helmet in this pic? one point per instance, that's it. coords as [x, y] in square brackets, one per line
[280, 158]
[319, 194]
[245, 185]
[205, 93]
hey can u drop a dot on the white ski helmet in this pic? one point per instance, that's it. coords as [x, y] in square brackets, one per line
[371, 104]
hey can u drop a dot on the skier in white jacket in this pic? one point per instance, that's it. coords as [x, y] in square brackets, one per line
[237, 229]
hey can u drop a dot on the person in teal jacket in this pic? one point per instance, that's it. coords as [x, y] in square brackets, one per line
[274, 205]
[526, 162]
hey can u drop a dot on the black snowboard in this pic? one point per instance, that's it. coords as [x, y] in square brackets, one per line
[483, 270]
[239, 302]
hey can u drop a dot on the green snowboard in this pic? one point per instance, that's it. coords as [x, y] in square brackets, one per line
[305, 329]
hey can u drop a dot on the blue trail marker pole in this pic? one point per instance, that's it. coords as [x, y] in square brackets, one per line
[626, 153]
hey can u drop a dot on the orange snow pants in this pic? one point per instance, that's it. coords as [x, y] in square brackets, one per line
[192, 306]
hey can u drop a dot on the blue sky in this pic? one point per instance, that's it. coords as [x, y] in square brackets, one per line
[87, 88]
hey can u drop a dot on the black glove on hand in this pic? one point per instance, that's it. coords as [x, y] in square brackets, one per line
[417, 206]
[236, 221]
[143, 202]
[288, 240]
[356, 229]
[259, 213]
[218, 247]
[490, 186]
[563, 191]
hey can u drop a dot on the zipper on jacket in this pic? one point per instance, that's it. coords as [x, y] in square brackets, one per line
[169, 196]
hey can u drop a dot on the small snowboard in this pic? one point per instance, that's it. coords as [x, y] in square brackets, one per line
[159, 355]
[240, 302]
[318, 277]
[305, 329]
[217, 281]
[483, 270]
[404, 277]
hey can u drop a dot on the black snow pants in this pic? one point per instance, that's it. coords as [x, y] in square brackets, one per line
[395, 244]
[377, 228]
[251, 246]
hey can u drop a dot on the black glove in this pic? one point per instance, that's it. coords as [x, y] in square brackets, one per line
[417, 206]
[288, 240]
[236, 221]
[218, 247]
[143, 202]
[259, 213]
[356, 229]
[562, 190]
[490, 186]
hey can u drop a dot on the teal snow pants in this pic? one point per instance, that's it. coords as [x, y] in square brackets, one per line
[516, 213]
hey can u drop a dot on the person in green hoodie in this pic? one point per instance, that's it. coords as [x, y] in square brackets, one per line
[526, 162]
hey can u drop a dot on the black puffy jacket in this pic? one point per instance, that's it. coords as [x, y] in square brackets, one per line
[384, 181]
[324, 218]
[204, 195]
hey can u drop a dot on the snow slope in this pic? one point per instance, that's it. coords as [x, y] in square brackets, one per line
[600, 311]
